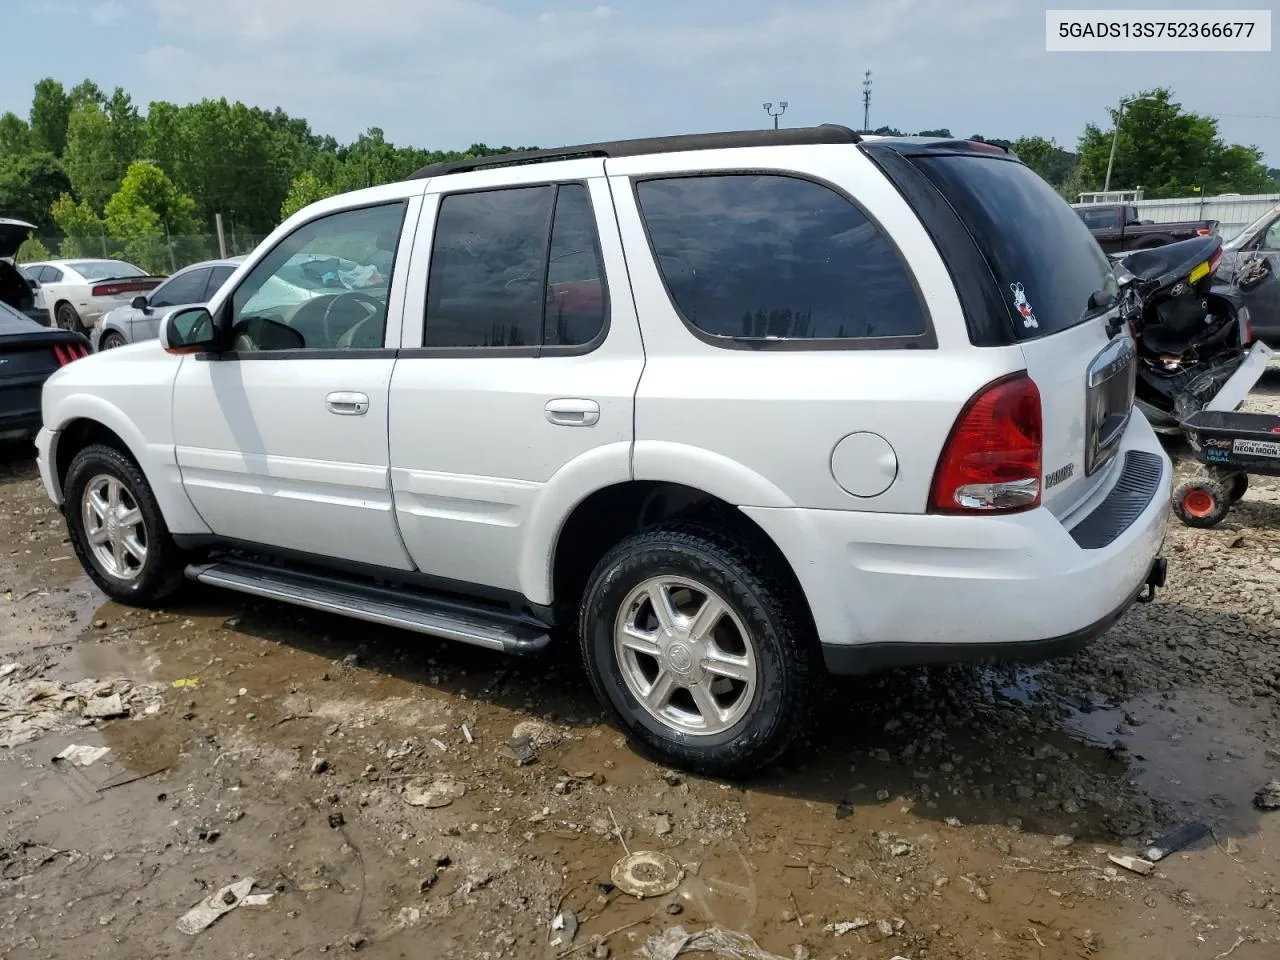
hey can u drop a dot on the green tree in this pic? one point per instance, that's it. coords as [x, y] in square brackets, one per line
[33, 250]
[50, 112]
[28, 187]
[84, 234]
[306, 189]
[152, 220]
[128, 129]
[1168, 151]
[227, 158]
[1073, 185]
[103, 138]
[1037, 153]
[85, 92]
[94, 171]
[15, 135]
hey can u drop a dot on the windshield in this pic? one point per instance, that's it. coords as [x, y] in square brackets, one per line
[1042, 254]
[1251, 228]
[106, 269]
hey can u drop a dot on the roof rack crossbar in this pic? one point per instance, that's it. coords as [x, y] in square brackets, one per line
[796, 136]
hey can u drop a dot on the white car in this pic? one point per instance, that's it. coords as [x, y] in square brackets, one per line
[724, 410]
[78, 292]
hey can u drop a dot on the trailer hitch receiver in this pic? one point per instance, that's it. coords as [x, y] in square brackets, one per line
[1155, 579]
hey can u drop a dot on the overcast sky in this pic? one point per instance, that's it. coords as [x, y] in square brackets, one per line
[447, 73]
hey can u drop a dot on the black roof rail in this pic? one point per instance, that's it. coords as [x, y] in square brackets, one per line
[795, 136]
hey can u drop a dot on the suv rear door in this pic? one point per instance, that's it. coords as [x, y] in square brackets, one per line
[1046, 266]
[513, 396]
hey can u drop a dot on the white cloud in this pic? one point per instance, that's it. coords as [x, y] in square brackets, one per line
[107, 13]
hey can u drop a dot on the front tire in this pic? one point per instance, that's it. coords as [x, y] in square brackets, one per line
[699, 650]
[117, 529]
[110, 341]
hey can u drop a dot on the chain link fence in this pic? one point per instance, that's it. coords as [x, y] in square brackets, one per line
[157, 255]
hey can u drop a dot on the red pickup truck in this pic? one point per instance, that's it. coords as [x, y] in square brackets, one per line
[1118, 228]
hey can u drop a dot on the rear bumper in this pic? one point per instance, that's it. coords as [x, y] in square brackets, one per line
[864, 658]
[890, 589]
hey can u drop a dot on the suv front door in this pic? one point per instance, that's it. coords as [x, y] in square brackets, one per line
[282, 442]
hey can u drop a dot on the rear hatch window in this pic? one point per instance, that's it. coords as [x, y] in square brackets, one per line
[1043, 256]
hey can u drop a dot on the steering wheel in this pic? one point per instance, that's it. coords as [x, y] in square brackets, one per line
[355, 296]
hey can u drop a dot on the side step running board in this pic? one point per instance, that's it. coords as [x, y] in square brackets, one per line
[448, 619]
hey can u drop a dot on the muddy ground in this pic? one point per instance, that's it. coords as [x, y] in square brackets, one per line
[945, 814]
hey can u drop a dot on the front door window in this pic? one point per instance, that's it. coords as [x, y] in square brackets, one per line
[324, 287]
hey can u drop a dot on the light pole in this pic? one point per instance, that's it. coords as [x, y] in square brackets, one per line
[782, 108]
[866, 103]
[1115, 137]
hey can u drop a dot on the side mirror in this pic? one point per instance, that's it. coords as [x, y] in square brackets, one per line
[188, 331]
[139, 303]
[33, 283]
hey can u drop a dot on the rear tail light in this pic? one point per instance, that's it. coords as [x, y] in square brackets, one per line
[992, 461]
[115, 289]
[1246, 326]
[1204, 232]
[67, 352]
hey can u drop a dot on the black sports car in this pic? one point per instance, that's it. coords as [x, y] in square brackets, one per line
[29, 352]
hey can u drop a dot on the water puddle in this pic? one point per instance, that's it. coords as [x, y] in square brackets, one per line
[1193, 750]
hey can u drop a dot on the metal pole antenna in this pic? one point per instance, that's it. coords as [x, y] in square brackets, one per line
[866, 102]
[782, 108]
[1115, 137]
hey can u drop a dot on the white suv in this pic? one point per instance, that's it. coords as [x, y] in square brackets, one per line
[727, 408]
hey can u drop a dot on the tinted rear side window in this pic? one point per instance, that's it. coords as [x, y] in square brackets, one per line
[762, 257]
[488, 259]
[577, 299]
[1043, 257]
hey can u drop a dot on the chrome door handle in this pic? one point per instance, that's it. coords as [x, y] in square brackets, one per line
[347, 404]
[573, 413]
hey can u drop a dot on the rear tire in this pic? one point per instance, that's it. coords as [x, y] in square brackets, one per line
[725, 697]
[1203, 502]
[117, 529]
[110, 341]
[66, 318]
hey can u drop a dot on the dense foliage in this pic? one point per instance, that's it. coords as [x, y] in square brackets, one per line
[99, 176]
